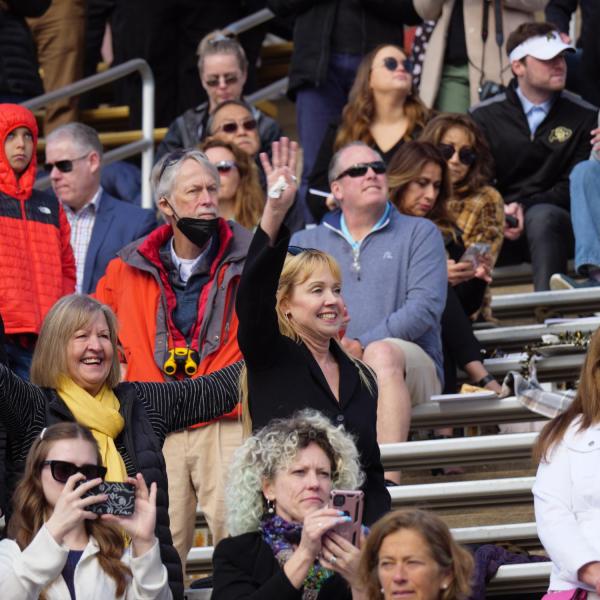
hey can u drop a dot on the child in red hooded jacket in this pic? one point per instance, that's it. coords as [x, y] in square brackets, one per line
[37, 266]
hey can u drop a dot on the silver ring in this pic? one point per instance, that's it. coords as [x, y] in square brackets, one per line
[333, 559]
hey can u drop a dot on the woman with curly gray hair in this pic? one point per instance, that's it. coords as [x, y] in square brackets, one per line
[285, 544]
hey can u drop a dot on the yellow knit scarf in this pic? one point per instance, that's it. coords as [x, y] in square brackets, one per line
[100, 414]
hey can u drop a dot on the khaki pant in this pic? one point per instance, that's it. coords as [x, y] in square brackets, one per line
[197, 466]
[59, 36]
[420, 372]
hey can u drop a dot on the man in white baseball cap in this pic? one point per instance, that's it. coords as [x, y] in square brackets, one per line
[537, 133]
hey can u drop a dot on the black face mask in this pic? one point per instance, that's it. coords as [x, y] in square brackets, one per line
[198, 231]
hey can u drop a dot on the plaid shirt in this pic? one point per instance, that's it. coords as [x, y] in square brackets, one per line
[82, 225]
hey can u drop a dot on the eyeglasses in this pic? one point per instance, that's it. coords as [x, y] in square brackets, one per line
[64, 166]
[391, 64]
[361, 169]
[228, 79]
[466, 154]
[233, 126]
[61, 470]
[224, 166]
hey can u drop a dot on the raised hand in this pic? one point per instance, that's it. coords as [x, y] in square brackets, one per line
[139, 526]
[281, 174]
[70, 508]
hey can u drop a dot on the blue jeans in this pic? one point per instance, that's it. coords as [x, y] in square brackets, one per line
[585, 214]
[316, 107]
[19, 359]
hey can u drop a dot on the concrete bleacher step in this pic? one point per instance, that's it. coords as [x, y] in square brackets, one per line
[519, 274]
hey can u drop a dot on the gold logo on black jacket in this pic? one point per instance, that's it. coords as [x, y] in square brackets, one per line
[560, 134]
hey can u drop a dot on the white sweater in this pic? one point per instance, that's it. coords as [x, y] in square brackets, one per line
[23, 575]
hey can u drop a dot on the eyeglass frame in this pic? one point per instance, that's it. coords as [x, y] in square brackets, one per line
[49, 166]
[374, 165]
[391, 64]
[463, 152]
[228, 78]
[76, 469]
[243, 125]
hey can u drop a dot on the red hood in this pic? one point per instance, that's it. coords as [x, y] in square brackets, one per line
[11, 117]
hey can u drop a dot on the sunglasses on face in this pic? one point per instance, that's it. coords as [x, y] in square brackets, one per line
[229, 79]
[224, 166]
[233, 126]
[360, 169]
[64, 166]
[466, 154]
[391, 64]
[61, 470]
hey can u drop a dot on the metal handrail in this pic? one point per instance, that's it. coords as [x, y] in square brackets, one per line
[257, 18]
[145, 145]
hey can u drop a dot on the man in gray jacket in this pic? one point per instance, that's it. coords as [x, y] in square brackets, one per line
[394, 285]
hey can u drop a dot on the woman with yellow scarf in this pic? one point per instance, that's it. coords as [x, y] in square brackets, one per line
[75, 376]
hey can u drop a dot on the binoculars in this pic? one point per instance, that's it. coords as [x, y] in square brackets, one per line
[183, 360]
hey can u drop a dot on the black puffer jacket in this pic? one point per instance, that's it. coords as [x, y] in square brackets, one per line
[18, 59]
[382, 22]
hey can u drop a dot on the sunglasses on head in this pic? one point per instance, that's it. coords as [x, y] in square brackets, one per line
[229, 79]
[391, 64]
[61, 470]
[295, 250]
[64, 166]
[171, 159]
[466, 154]
[233, 126]
[224, 166]
[361, 169]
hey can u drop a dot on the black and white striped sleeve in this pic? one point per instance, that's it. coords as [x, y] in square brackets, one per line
[21, 402]
[180, 404]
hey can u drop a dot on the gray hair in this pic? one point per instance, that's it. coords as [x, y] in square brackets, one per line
[84, 137]
[334, 166]
[271, 450]
[165, 171]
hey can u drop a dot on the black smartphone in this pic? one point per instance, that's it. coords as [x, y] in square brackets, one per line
[351, 503]
[511, 221]
[120, 501]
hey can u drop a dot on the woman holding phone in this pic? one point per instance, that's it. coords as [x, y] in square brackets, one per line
[279, 513]
[58, 549]
[476, 207]
[290, 310]
[420, 186]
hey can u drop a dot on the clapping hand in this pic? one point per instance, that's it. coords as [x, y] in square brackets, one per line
[139, 526]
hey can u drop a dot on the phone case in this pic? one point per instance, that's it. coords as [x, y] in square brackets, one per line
[120, 501]
[352, 505]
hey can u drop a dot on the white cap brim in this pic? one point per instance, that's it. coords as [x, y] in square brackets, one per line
[542, 47]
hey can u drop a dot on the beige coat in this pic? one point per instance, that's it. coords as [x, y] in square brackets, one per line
[514, 13]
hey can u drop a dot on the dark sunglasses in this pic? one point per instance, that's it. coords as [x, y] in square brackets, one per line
[391, 64]
[466, 154]
[61, 470]
[224, 166]
[295, 250]
[171, 159]
[64, 166]
[233, 126]
[229, 79]
[361, 169]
